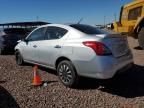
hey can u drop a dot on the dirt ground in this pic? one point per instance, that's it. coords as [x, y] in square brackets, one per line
[123, 91]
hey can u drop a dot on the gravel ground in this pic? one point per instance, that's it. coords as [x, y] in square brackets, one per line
[123, 91]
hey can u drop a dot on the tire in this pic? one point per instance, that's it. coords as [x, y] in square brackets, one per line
[19, 59]
[141, 38]
[67, 73]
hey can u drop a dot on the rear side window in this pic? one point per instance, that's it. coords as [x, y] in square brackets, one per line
[135, 13]
[88, 29]
[55, 33]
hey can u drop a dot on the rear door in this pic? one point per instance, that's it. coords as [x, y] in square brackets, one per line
[30, 48]
[50, 49]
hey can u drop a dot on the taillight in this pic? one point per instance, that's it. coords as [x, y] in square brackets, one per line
[98, 47]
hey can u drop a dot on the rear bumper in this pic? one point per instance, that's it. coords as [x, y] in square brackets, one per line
[103, 67]
[109, 74]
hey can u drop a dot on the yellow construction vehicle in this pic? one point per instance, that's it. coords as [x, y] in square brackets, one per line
[131, 21]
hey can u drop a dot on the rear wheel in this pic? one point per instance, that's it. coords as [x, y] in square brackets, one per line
[67, 73]
[141, 38]
[19, 59]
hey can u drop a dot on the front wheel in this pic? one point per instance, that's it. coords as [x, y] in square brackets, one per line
[67, 73]
[141, 38]
[19, 59]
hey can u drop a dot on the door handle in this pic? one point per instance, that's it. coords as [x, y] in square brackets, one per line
[34, 46]
[57, 46]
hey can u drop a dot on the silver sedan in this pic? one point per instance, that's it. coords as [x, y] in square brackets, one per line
[75, 50]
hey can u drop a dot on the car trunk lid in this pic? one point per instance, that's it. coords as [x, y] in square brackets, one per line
[117, 44]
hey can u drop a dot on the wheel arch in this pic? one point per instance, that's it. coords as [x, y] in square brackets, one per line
[61, 59]
[17, 50]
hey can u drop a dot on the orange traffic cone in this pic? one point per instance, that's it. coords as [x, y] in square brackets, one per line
[37, 79]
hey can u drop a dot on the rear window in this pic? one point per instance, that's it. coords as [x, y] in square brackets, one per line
[88, 29]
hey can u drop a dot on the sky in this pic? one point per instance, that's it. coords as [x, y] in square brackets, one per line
[61, 11]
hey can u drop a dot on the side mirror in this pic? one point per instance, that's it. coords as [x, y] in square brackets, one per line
[19, 41]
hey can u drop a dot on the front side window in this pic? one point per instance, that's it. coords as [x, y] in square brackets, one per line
[55, 33]
[135, 13]
[37, 35]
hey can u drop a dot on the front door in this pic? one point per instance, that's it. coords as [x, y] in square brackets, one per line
[31, 45]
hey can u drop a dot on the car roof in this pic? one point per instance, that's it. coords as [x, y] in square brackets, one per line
[69, 25]
[66, 24]
[57, 25]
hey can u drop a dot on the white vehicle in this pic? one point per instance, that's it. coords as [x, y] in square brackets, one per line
[75, 50]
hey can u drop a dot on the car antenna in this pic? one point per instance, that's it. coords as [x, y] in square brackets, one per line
[80, 21]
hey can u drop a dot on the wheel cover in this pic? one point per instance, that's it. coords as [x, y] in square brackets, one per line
[65, 73]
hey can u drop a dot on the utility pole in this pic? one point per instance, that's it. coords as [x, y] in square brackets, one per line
[115, 16]
[37, 18]
[80, 21]
[104, 20]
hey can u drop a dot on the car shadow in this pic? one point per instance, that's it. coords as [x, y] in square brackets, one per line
[138, 48]
[129, 84]
[54, 72]
[6, 99]
[1, 82]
